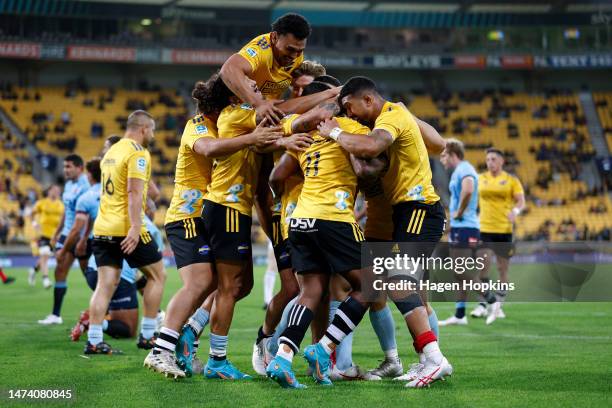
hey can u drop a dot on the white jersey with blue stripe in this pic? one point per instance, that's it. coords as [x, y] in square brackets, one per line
[72, 191]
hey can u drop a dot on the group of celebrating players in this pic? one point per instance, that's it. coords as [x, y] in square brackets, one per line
[301, 163]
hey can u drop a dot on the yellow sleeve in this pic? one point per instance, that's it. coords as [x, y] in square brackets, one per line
[287, 123]
[389, 121]
[257, 52]
[517, 187]
[236, 121]
[37, 207]
[138, 165]
[352, 126]
[194, 132]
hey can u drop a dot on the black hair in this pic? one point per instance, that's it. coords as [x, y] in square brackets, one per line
[93, 168]
[328, 79]
[211, 96]
[75, 159]
[315, 87]
[496, 151]
[356, 85]
[113, 139]
[292, 23]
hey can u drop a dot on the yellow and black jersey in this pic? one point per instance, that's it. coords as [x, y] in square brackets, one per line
[125, 159]
[193, 171]
[330, 183]
[289, 200]
[49, 213]
[234, 177]
[409, 174]
[496, 201]
[272, 79]
[276, 208]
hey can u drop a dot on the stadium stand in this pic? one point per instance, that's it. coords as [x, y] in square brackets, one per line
[544, 137]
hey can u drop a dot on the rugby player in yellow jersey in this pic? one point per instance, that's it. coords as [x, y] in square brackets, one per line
[288, 187]
[269, 59]
[119, 231]
[185, 227]
[418, 215]
[48, 213]
[501, 200]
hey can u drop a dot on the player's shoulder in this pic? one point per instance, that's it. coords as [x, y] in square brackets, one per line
[351, 125]
[200, 125]
[511, 177]
[259, 44]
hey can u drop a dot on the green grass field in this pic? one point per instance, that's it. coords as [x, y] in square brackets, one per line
[543, 354]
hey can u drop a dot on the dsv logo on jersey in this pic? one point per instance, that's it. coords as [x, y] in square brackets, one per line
[303, 223]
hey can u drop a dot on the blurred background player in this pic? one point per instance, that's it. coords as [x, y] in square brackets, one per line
[76, 185]
[502, 199]
[48, 213]
[119, 231]
[464, 221]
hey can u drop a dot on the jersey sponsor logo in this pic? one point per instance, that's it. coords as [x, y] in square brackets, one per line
[271, 87]
[204, 250]
[243, 248]
[303, 223]
[416, 193]
[191, 197]
[341, 204]
[251, 51]
[200, 129]
[141, 164]
[503, 182]
[232, 192]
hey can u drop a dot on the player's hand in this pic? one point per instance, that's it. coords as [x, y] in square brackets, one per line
[327, 126]
[264, 136]
[81, 248]
[60, 254]
[267, 109]
[53, 241]
[511, 216]
[129, 243]
[297, 142]
[456, 216]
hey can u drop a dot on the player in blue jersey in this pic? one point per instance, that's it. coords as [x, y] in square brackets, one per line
[464, 218]
[76, 185]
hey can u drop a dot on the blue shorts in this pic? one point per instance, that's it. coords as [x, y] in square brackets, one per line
[464, 237]
[125, 297]
[88, 252]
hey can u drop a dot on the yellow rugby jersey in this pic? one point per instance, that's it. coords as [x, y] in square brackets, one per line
[330, 184]
[234, 177]
[272, 79]
[125, 159]
[496, 201]
[289, 200]
[409, 174]
[193, 171]
[49, 213]
[277, 204]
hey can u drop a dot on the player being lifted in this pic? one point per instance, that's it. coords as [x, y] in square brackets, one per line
[76, 185]
[269, 59]
[119, 231]
[48, 211]
[418, 215]
[501, 200]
